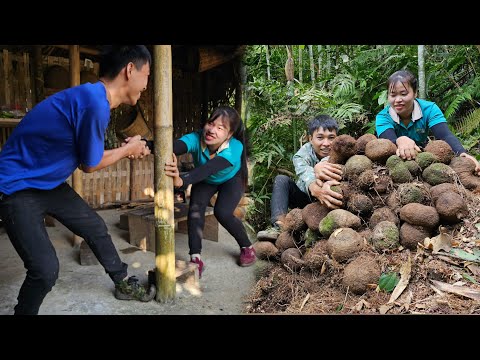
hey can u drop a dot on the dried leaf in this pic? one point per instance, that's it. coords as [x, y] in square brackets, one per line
[367, 304]
[408, 300]
[405, 272]
[384, 308]
[324, 267]
[474, 269]
[305, 301]
[441, 293]
[457, 290]
[439, 242]
[359, 305]
[447, 259]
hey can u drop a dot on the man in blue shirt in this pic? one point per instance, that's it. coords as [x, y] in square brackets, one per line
[407, 120]
[60, 134]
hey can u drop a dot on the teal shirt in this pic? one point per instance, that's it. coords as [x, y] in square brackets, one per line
[230, 150]
[428, 114]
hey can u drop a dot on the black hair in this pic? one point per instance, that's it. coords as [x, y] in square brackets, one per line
[405, 77]
[239, 132]
[115, 57]
[322, 121]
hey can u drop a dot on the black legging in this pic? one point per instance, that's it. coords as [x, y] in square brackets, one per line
[229, 195]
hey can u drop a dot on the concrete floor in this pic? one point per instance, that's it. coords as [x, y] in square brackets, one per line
[87, 290]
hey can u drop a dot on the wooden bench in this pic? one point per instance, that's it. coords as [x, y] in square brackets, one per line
[141, 225]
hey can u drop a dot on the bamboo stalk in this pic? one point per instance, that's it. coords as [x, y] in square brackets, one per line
[163, 185]
[77, 182]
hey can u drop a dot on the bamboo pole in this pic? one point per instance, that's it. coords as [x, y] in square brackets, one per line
[164, 220]
[74, 81]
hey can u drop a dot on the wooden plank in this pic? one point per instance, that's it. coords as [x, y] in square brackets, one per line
[7, 122]
[137, 228]
[142, 230]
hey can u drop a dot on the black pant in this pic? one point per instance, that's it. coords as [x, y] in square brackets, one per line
[229, 195]
[23, 214]
[285, 195]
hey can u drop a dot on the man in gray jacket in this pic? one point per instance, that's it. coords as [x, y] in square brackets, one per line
[315, 176]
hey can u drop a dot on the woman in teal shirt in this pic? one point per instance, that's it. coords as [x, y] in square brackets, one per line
[406, 120]
[219, 156]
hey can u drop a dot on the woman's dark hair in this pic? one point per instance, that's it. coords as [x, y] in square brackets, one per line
[115, 57]
[405, 77]
[322, 121]
[238, 128]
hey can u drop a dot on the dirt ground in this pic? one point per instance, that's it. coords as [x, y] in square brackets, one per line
[87, 290]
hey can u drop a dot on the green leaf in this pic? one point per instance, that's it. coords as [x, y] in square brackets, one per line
[382, 98]
[388, 281]
[465, 255]
[469, 278]
[339, 308]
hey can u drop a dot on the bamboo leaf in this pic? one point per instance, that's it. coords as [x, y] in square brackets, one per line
[469, 278]
[464, 255]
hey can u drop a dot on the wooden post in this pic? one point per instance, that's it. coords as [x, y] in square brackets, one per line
[163, 185]
[38, 73]
[74, 81]
[39, 95]
[6, 70]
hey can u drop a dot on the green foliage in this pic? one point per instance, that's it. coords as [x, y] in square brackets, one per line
[351, 85]
[455, 103]
[469, 123]
[388, 281]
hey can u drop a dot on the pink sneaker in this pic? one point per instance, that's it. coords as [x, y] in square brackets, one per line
[199, 262]
[247, 256]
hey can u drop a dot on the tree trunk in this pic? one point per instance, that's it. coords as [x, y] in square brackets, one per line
[289, 71]
[319, 61]
[312, 63]
[267, 54]
[300, 64]
[329, 63]
[421, 72]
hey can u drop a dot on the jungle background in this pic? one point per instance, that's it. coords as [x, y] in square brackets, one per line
[287, 85]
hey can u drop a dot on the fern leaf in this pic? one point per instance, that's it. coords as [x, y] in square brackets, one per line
[469, 123]
[455, 105]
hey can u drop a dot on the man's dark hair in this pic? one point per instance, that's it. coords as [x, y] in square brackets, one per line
[115, 57]
[322, 121]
